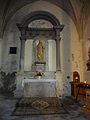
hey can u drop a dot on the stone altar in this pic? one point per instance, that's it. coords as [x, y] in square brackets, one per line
[37, 88]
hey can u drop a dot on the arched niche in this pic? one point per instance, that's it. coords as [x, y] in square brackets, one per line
[37, 15]
[40, 23]
[34, 25]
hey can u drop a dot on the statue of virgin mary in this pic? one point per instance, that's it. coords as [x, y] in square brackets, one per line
[40, 52]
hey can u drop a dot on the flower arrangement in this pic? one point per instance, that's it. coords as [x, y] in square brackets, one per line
[39, 73]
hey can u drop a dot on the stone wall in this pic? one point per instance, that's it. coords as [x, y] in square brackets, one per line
[71, 47]
[0, 53]
[7, 83]
[86, 45]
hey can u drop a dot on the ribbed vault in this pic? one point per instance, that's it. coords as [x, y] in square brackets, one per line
[78, 10]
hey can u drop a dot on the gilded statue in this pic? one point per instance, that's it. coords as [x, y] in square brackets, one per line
[40, 52]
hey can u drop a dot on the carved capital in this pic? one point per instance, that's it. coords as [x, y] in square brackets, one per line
[58, 28]
[57, 38]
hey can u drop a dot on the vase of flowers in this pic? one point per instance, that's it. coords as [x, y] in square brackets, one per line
[39, 74]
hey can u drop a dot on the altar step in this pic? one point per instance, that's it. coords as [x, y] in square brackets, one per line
[36, 106]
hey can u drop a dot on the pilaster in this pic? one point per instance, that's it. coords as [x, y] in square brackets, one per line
[22, 53]
[58, 29]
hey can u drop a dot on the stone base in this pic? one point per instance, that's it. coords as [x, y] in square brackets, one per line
[18, 93]
[26, 83]
[32, 75]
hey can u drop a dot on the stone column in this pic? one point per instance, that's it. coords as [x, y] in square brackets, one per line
[58, 65]
[57, 39]
[22, 53]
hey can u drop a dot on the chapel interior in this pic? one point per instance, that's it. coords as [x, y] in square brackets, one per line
[44, 50]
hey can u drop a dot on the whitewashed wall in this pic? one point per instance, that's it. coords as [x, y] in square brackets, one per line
[86, 45]
[77, 53]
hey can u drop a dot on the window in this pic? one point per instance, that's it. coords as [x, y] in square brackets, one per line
[13, 50]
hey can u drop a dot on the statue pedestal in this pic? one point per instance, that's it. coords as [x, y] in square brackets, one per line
[40, 66]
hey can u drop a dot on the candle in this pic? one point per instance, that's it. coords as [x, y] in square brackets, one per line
[85, 81]
[76, 78]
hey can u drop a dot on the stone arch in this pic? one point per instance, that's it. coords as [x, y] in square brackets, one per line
[57, 28]
[40, 15]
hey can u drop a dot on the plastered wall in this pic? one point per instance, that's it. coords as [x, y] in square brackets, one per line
[0, 52]
[86, 45]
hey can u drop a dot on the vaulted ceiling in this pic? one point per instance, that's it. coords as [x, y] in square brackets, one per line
[78, 10]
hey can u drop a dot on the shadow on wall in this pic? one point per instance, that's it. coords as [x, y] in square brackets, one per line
[7, 83]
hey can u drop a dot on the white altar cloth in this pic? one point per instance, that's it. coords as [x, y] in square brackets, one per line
[38, 80]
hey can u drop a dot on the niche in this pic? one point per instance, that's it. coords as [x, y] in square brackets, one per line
[13, 50]
[76, 76]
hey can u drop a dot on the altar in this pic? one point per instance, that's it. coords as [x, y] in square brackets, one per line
[37, 72]
[37, 88]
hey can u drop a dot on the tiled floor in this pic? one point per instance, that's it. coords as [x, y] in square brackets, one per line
[7, 105]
